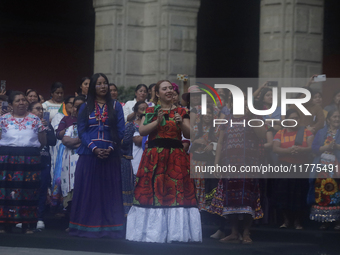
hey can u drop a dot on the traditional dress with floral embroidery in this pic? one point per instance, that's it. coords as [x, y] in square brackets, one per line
[20, 168]
[238, 195]
[69, 163]
[327, 193]
[205, 188]
[164, 207]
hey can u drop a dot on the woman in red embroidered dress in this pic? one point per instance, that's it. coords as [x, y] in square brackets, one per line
[164, 207]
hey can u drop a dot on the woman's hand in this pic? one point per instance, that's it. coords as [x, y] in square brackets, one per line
[97, 152]
[311, 80]
[106, 153]
[160, 116]
[331, 146]
[209, 148]
[311, 129]
[296, 150]
[44, 122]
[3, 112]
[291, 150]
[178, 118]
[200, 141]
[100, 153]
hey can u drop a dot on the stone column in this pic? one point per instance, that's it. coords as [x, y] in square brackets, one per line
[291, 34]
[143, 41]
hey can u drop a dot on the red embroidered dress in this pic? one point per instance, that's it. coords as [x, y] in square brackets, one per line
[163, 178]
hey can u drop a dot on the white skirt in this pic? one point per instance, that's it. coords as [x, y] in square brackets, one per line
[164, 225]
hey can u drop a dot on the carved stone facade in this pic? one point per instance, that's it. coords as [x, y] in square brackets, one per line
[143, 41]
[291, 35]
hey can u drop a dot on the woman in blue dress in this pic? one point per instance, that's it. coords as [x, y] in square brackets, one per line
[97, 206]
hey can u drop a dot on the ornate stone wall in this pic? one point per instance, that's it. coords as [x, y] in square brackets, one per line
[143, 41]
[291, 34]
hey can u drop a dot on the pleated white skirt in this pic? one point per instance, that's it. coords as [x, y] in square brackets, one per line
[164, 225]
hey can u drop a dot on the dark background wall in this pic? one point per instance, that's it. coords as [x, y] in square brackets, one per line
[46, 41]
[228, 38]
[331, 48]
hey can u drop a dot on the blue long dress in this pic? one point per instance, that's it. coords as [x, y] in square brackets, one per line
[97, 206]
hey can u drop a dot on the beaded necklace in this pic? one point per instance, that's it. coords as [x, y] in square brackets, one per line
[101, 117]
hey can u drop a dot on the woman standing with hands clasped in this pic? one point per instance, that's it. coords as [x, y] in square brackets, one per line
[164, 206]
[293, 145]
[97, 205]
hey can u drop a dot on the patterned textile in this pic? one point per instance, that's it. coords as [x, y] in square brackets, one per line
[238, 196]
[197, 109]
[20, 132]
[54, 152]
[126, 167]
[69, 163]
[56, 181]
[327, 189]
[200, 183]
[19, 184]
[287, 140]
[51, 108]
[163, 178]
[96, 133]
[97, 203]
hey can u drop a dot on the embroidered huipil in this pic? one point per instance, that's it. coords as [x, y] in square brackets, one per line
[97, 135]
[20, 132]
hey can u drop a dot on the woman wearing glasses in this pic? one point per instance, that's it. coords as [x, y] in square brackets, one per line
[36, 108]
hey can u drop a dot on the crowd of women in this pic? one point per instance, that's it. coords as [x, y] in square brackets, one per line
[123, 170]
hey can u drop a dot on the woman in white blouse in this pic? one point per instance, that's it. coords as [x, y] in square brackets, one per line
[22, 136]
[141, 92]
[53, 105]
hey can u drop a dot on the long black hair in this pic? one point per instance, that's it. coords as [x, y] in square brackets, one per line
[258, 104]
[150, 90]
[90, 107]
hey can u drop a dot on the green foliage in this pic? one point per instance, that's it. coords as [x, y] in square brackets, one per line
[126, 94]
